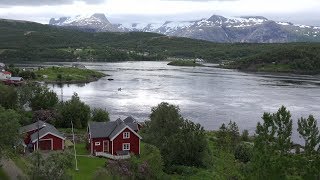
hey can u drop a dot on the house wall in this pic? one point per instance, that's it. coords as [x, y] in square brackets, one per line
[133, 140]
[58, 143]
[99, 148]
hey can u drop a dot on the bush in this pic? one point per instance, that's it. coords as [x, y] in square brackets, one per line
[243, 152]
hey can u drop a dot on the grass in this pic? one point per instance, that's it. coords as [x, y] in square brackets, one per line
[81, 149]
[190, 63]
[22, 163]
[65, 74]
[3, 175]
[87, 167]
[275, 68]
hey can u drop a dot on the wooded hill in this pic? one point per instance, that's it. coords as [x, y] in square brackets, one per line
[28, 41]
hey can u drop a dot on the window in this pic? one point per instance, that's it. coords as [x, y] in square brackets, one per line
[126, 146]
[97, 143]
[126, 135]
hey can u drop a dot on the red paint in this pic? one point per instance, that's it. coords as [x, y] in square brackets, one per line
[58, 143]
[134, 141]
[27, 137]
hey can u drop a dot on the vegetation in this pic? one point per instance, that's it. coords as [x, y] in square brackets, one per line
[100, 115]
[180, 141]
[87, 167]
[191, 63]
[63, 74]
[8, 97]
[3, 175]
[24, 41]
[73, 111]
[290, 59]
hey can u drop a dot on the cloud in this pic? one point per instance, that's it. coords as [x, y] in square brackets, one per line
[45, 2]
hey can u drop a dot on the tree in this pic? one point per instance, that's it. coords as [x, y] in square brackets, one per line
[100, 115]
[181, 142]
[272, 145]
[43, 99]
[8, 97]
[309, 131]
[73, 110]
[228, 136]
[52, 168]
[9, 129]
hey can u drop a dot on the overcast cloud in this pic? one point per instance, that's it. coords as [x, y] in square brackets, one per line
[296, 11]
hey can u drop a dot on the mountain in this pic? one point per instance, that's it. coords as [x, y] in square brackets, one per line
[249, 29]
[96, 22]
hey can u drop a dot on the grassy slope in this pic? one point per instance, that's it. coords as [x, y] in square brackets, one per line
[68, 74]
[3, 175]
[190, 63]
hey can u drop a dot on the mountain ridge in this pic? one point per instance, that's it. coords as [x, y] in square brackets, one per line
[243, 29]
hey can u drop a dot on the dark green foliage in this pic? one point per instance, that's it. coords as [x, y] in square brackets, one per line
[73, 110]
[228, 136]
[100, 115]
[9, 128]
[299, 58]
[180, 141]
[245, 135]
[43, 98]
[243, 152]
[309, 131]
[8, 97]
[51, 168]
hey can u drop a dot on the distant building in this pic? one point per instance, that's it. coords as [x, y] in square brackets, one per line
[15, 81]
[79, 66]
[4, 75]
[2, 66]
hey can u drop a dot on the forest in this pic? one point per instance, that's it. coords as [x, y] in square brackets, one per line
[27, 41]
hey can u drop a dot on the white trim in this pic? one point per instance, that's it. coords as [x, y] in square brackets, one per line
[112, 147]
[123, 144]
[123, 130]
[97, 143]
[124, 135]
[46, 140]
[62, 144]
[47, 134]
[91, 146]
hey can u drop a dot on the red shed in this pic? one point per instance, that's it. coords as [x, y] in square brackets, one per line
[115, 138]
[49, 137]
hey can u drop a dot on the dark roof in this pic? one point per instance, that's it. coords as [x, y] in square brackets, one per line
[129, 119]
[44, 129]
[106, 129]
[48, 128]
[31, 127]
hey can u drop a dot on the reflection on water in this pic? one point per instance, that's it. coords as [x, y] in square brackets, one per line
[207, 95]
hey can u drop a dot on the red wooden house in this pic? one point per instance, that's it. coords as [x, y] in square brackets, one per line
[115, 138]
[49, 137]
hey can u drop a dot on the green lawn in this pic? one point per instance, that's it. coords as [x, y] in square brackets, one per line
[3, 175]
[81, 149]
[87, 167]
[64, 74]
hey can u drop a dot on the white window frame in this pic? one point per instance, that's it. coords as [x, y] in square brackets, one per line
[126, 135]
[124, 148]
[97, 143]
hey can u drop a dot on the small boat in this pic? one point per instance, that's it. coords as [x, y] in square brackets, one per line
[110, 79]
[119, 89]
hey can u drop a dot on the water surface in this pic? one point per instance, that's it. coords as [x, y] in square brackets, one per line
[206, 95]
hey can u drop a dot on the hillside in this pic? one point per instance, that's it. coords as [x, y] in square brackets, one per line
[291, 59]
[28, 41]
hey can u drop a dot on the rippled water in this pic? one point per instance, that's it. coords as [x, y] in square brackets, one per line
[207, 95]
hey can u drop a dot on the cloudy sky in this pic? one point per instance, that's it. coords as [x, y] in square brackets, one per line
[117, 11]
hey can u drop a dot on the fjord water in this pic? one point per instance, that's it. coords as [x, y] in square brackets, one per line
[206, 95]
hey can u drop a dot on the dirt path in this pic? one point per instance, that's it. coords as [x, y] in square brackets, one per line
[10, 168]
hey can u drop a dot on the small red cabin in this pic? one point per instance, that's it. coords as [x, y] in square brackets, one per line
[115, 138]
[49, 137]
